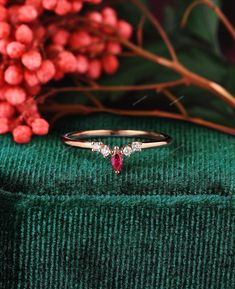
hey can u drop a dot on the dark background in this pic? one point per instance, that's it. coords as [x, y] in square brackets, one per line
[228, 7]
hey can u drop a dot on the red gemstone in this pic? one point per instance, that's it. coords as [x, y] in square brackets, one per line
[117, 162]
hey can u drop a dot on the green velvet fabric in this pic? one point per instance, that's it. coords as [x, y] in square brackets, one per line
[68, 221]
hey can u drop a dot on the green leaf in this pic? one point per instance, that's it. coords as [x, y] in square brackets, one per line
[130, 12]
[202, 22]
[204, 63]
[196, 48]
[229, 78]
[136, 70]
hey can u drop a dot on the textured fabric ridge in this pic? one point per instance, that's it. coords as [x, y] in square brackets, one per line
[68, 222]
[200, 161]
[117, 242]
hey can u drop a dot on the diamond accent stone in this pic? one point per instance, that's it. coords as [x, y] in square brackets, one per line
[127, 150]
[136, 146]
[105, 150]
[96, 146]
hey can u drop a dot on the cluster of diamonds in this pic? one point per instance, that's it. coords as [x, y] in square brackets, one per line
[127, 150]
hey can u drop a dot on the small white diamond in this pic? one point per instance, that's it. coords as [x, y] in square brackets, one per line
[127, 150]
[105, 150]
[96, 146]
[136, 146]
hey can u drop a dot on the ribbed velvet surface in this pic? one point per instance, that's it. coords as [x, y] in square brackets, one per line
[200, 161]
[167, 221]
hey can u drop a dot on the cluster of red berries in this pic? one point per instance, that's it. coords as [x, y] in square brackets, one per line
[34, 51]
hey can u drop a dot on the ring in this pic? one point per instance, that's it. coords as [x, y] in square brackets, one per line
[79, 139]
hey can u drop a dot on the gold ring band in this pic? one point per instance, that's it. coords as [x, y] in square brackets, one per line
[79, 139]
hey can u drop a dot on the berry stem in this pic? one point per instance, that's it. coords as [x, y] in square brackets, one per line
[74, 109]
[158, 27]
[228, 25]
[159, 87]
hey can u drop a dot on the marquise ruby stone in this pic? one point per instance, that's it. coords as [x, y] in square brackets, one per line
[117, 162]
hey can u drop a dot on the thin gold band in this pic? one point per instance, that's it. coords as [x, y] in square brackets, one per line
[78, 138]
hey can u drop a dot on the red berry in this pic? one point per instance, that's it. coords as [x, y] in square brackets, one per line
[63, 7]
[40, 126]
[113, 48]
[52, 28]
[110, 64]
[13, 75]
[2, 80]
[96, 18]
[3, 2]
[33, 54]
[3, 46]
[39, 33]
[46, 71]
[4, 125]
[35, 3]
[13, 14]
[80, 40]
[33, 90]
[110, 22]
[49, 4]
[108, 11]
[124, 29]
[15, 49]
[59, 74]
[32, 60]
[5, 29]
[24, 34]
[15, 95]
[95, 69]
[97, 46]
[76, 6]
[82, 64]
[28, 107]
[109, 19]
[53, 50]
[6, 109]
[61, 37]
[66, 61]
[3, 13]
[22, 134]
[27, 13]
[31, 78]
[30, 119]
[2, 91]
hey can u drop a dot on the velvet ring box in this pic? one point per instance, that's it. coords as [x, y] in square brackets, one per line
[68, 221]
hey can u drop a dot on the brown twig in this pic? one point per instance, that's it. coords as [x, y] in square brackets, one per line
[159, 87]
[88, 94]
[94, 99]
[140, 31]
[228, 25]
[158, 27]
[127, 54]
[74, 109]
[176, 101]
[189, 76]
